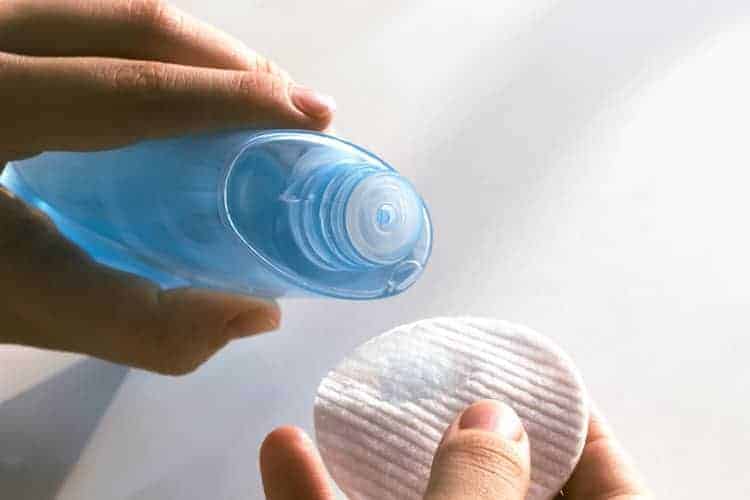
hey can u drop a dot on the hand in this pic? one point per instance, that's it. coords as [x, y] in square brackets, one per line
[484, 455]
[86, 75]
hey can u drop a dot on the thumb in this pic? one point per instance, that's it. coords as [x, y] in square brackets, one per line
[484, 455]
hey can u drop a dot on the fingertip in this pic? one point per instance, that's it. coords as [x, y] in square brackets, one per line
[263, 316]
[484, 454]
[291, 467]
[492, 416]
[313, 104]
[238, 315]
[279, 441]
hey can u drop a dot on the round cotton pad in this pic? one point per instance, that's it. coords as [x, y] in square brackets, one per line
[380, 415]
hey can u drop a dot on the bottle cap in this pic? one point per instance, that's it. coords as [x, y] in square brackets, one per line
[384, 218]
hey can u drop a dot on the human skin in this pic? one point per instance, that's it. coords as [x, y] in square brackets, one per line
[484, 455]
[85, 75]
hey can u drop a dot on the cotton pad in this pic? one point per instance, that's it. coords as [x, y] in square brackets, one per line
[380, 414]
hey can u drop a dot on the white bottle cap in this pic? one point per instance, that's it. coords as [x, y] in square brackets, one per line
[384, 218]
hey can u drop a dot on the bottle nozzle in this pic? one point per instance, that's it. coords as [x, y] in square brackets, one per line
[353, 216]
[384, 218]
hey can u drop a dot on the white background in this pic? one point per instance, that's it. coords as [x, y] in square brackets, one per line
[587, 164]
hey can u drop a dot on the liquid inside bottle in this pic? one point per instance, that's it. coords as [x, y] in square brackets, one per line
[268, 213]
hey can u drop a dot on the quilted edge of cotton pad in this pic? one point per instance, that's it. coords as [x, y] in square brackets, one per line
[556, 357]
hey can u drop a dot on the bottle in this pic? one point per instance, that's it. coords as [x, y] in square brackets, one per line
[269, 213]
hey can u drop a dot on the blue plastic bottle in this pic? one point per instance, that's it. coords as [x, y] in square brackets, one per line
[270, 213]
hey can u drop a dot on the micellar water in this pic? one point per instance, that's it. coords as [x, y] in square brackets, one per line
[270, 213]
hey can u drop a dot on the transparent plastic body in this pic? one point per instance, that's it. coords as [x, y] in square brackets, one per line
[271, 213]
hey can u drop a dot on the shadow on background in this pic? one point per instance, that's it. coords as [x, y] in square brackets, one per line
[44, 430]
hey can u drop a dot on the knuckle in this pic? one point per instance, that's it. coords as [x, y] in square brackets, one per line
[265, 66]
[138, 77]
[246, 82]
[487, 456]
[261, 87]
[141, 10]
[278, 89]
[151, 13]
[6, 62]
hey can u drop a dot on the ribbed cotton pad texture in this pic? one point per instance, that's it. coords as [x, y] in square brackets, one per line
[380, 415]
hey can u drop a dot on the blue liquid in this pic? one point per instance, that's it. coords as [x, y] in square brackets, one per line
[267, 213]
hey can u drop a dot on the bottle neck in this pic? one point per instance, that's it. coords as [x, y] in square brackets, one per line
[318, 216]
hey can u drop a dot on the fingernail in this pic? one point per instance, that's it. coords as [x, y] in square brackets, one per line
[312, 103]
[492, 416]
[254, 321]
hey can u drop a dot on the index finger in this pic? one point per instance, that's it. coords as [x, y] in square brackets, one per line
[88, 103]
[604, 471]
